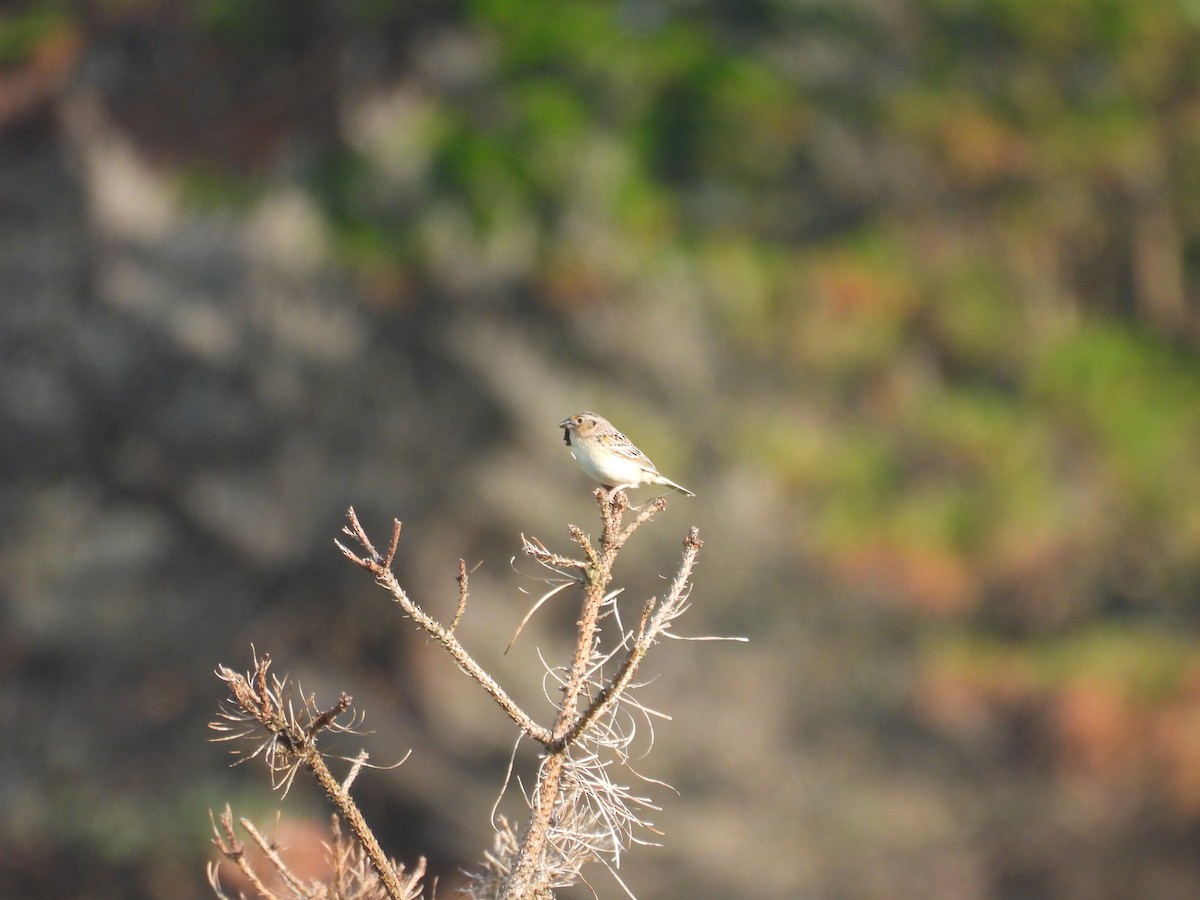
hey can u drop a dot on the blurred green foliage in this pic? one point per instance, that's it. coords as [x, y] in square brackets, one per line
[23, 31]
[958, 239]
[946, 255]
[960, 229]
[1145, 664]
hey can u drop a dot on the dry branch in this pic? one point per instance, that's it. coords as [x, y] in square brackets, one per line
[577, 811]
[381, 568]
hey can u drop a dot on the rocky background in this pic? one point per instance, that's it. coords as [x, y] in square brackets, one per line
[906, 292]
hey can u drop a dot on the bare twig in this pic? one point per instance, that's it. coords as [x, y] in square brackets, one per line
[235, 851]
[354, 877]
[576, 811]
[462, 595]
[291, 742]
[656, 617]
[382, 571]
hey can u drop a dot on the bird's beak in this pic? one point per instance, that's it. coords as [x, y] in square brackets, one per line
[565, 422]
[565, 425]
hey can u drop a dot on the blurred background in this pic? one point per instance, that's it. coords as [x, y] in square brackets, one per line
[908, 291]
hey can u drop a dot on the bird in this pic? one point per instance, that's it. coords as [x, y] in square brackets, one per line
[608, 456]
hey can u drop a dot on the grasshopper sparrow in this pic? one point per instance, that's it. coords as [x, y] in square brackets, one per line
[608, 456]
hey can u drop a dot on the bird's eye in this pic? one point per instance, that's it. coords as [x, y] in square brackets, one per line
[579, 420]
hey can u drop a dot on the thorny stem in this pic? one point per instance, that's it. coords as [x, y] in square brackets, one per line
[642, 641]
[348, 866]
[255, 699]
[381, 568]
[292, 740]
[354, 818]
[462, 595]
[233, 849]
[528, 878]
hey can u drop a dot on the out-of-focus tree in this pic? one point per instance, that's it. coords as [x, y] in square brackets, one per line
[929, 269]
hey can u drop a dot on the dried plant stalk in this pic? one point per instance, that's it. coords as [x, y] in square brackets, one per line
[578, 812]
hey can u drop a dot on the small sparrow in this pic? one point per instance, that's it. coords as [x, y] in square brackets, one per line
[608, 456]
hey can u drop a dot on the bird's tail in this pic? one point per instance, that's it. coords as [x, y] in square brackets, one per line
[679, 487]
